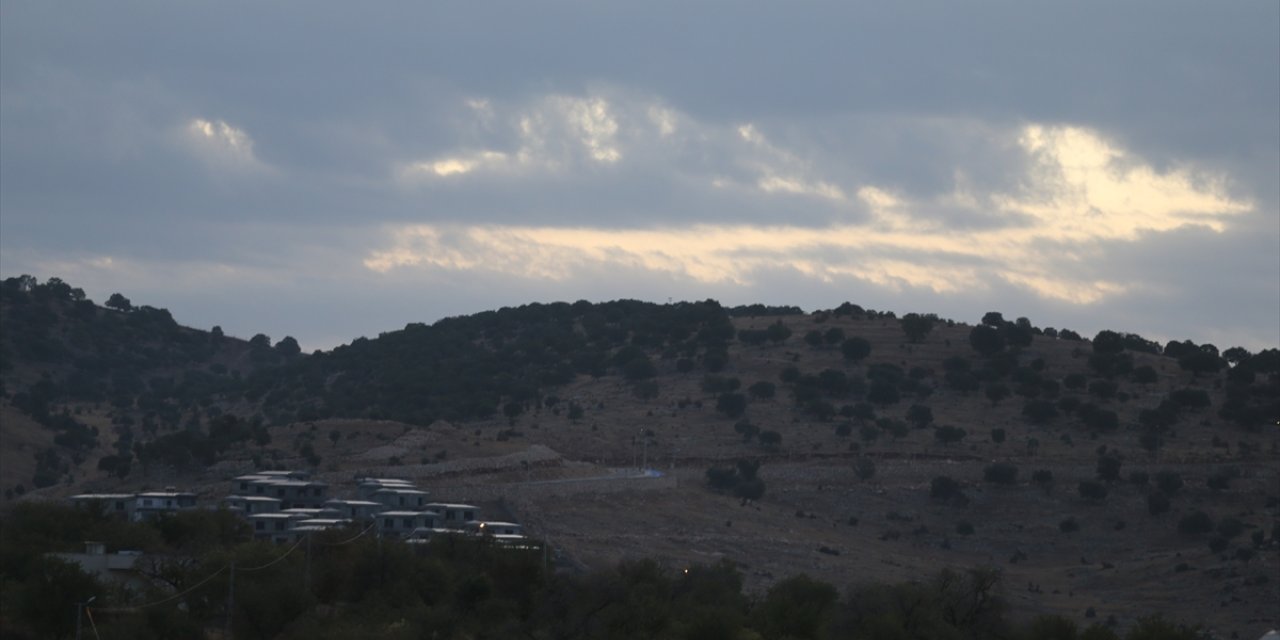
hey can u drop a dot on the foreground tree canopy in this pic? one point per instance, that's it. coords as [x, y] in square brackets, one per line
[350, 585]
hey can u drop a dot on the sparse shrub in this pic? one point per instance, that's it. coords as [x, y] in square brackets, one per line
[1220, 480]
[944, 489]
[964, 528]
[1168, 482]
[1001, 473]
[770, 439]
[1157, 503]
[1109, 468]
[1196, 523]
[1092, 491]
[948, 434]
[1217, 544]
[997, 435]
[1230, 527]
[1138, 477]
[1043, 478]
[865, 468]
[1069, 525]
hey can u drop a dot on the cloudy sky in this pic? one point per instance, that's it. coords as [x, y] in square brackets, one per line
[327, 171]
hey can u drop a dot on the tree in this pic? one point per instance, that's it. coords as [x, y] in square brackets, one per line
[731, 404]
[948, 434]
[288, 347]
[920, 415]
[993, 319]
[1197, 523]
[762, 390]
[986, 340]
[1108, 342]
[917, 326]
[1157, 503]
[1092, 491]
[778, 332]
[119, 303]
[1168, 482]
[865, 468]
[1201, 361]
[1039, 411]
[855, 349]
[1109, 468]
[798, 607]
[1043, 478]
[996, 392]
[882, 392]
[1001, 473]
[944, 489]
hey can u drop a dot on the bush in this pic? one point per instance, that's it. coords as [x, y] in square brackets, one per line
[1195, 524]
[944, 489]
[1230, 527]
[949, 434]
[1069, 525]
[1001, 473]
[1157, 503]
[1168, 482]
[1092, 491]
[1109, 468]
[865, 468]
[1042, 478]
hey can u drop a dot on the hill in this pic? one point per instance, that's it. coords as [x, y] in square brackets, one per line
[848, 443]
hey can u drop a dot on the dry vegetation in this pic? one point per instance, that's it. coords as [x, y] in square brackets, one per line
[1059, 552]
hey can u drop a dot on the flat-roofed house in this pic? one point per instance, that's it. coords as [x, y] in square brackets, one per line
[402, 524]
[455, 515]
[249, 505]
[152, 504]
[401, 498]
[493, 528]
[274, 526]
[356, 509]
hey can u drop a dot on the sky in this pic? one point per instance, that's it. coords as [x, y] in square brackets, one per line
[333, 170]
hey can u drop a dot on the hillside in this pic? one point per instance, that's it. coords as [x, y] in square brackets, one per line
[850, 444]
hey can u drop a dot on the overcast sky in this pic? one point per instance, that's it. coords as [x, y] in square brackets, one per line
[327, 171]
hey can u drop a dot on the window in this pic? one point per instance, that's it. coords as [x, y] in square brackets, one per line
[389, 523]
[408, 523]
[259, 525]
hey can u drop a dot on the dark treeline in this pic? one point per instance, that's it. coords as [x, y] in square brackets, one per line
[346, 585]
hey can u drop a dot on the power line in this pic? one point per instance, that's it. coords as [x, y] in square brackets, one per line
[170, 598]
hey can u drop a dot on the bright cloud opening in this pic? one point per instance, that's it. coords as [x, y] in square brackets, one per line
[222, 143]
[1079, 191]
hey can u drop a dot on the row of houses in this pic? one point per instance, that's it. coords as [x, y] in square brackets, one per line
[137, 507]
[281, 506]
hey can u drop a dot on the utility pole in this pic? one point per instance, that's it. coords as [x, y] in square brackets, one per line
[306, 578]
[231, 602]
[80, 613]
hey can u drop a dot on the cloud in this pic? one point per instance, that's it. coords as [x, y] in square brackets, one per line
[221, 145]
[1080, 191]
